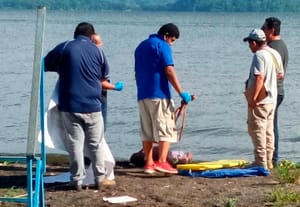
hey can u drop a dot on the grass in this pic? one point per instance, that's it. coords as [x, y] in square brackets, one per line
[287, 172]
[281, 197]
[13, 192]
[231, 202]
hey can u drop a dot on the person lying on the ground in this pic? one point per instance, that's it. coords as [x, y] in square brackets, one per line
[174, 157]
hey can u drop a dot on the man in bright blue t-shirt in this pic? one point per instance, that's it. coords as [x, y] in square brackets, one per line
[155, 74]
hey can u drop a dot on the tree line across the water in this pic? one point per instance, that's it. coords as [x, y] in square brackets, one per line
[158, 5]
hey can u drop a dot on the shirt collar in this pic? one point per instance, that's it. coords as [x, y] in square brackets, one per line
[82, 37]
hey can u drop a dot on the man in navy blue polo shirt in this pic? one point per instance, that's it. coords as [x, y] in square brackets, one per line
[81, 69]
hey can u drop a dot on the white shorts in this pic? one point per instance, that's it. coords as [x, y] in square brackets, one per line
[157, 119]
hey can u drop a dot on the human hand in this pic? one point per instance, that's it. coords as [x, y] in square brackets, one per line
[249, 98]
[186, 97]
[280, 76]
[119, 86]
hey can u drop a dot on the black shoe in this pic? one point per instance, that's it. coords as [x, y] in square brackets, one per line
[98, 185]
[75, 186]
[79, 187]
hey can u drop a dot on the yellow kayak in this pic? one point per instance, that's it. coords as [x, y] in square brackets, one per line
[212, 165]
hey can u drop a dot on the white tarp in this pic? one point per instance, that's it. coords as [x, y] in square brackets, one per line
[54, 135]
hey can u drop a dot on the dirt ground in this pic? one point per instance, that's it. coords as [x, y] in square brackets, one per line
[152, 190]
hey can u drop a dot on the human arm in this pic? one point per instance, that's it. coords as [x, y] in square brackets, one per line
[252, 94]
[172, 77]
[280, 70]
[259, 84]
[106, 85]
[53, 59]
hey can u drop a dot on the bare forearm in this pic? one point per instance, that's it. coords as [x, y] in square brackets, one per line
[172, 77]
[259, 83]
[107, 85]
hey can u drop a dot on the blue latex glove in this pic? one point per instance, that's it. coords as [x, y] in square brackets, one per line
[186, 97]
[119, 86]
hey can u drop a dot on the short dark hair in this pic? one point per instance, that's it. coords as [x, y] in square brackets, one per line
[170, 30]
[85, 29]
[273, 22]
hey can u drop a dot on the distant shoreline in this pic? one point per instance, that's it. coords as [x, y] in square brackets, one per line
[164, 6]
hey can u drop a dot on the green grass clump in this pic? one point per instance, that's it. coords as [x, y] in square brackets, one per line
[13, 192]
[287, 172]
[281, 198]
[231, 202]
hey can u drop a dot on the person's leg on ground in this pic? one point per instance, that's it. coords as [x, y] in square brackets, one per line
[104, 108]
[257, 130]
[94, 135]
[74, 145]
[276, 130]
[166, 133]
[163, 151]
[147, 137]
[148, 153]
[270, 135]
[109, 159]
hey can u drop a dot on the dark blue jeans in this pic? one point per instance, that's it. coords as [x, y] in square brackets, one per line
[276, 130]
[104, 108]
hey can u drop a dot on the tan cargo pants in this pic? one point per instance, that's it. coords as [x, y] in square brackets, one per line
[260, 129]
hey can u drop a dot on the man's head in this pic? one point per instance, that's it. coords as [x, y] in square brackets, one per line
[271, 27]
[170, 32]
[85, 29]
[256, 39]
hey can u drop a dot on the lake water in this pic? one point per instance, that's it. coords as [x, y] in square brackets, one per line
[211, 60]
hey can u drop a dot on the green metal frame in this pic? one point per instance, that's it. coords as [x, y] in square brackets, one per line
[35, 185]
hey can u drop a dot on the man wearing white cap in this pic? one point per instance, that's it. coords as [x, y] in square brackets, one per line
[261, 95]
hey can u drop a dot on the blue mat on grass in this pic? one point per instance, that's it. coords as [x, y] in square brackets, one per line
[222, 173]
